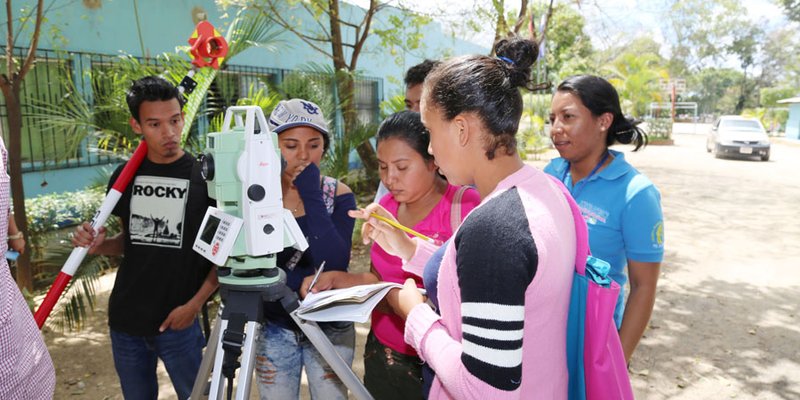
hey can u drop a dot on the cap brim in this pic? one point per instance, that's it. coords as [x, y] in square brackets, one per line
[300, 123]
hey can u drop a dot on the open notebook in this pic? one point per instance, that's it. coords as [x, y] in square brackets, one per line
[349, 304]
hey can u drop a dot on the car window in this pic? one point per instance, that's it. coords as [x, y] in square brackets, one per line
[741, 124]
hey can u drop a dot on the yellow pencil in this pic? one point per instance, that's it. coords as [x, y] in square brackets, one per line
[403, 228]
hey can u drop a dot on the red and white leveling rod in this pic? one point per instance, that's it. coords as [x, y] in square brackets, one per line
[78, 253]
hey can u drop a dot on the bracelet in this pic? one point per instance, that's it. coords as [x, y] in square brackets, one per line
[16, 236]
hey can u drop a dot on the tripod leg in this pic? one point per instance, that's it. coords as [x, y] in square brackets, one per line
[248, 361]
[325, 348]
[201, 381]
[217, 380]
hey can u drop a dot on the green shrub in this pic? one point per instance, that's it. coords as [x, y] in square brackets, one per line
[50, 212]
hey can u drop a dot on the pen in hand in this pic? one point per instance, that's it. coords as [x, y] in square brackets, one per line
[316, 276]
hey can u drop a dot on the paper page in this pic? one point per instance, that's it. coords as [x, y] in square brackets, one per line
[348, 304]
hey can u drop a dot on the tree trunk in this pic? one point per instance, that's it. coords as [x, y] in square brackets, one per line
[347, 91]
[14, 112]
[742, 94]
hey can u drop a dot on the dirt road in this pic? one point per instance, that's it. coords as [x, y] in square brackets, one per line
[727, 317]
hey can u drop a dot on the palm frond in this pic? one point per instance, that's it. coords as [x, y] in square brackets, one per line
[393, 105]
[337, 162]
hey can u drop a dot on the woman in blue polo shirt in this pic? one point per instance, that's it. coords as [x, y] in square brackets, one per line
[621, 206]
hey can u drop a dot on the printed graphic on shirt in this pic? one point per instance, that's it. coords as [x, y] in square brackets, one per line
[157, 211]
[593, 214]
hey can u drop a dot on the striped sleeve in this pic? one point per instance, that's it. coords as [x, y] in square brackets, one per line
[496, 261]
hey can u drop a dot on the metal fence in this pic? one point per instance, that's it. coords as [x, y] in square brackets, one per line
[58, 74]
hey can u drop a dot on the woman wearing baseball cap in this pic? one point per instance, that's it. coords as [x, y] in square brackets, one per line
[319, 205]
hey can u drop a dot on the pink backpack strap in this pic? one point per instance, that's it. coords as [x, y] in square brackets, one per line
[455, 208]
[582, 250]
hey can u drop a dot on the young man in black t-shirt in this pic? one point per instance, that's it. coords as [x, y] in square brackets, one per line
[162, 283]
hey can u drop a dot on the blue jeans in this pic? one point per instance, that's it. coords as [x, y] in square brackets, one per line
[282, 353]
[135, 359]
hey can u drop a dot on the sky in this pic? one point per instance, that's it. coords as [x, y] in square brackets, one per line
[616, 18]
[643, 17]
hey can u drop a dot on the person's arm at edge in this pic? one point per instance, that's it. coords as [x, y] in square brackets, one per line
[18, 244]
[639, 307]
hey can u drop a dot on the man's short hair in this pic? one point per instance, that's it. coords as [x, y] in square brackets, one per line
[416, 74]
[151, 88]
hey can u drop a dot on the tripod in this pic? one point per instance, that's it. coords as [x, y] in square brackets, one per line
[239, 323]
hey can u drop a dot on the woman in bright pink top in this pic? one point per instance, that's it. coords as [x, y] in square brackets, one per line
[418, 198]
[388, 327]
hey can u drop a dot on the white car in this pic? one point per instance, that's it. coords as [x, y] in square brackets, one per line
[738, 136]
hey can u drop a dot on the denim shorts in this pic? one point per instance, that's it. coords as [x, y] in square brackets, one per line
[282, 353]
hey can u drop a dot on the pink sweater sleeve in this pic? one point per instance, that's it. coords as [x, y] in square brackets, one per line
[426, 333]
[424, 251]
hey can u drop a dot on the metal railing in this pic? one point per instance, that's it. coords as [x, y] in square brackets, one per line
[60, 73]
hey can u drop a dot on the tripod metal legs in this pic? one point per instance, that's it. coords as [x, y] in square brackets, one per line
[214, 355]
[201, 381]
[328, 352]
[248, 364]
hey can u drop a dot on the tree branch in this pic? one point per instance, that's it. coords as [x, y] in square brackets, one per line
[26, 66]
[317, 20]
[521, 18]
[9, 43]
[373, 8]
[276, 17]
[546, 22]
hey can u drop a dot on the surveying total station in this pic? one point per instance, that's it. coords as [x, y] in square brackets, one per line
[242, 236]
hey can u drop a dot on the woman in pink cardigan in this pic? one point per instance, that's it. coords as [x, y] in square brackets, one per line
[502, 283]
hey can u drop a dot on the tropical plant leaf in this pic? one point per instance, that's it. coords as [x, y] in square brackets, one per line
[79, 296]
[393, 105]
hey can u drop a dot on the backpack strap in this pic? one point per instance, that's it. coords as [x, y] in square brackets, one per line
[328, 186]
[582, 250]
[455, 208]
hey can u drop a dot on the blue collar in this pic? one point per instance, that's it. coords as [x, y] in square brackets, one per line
[617, 168]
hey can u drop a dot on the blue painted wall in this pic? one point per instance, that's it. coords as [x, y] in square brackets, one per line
[793, 123]
[112, 29]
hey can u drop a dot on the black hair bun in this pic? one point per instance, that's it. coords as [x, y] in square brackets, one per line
[522, 53]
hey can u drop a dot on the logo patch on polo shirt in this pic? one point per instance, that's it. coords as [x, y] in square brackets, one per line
[657, 235]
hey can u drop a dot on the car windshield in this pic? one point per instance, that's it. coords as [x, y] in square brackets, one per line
[741, 125]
